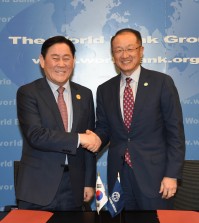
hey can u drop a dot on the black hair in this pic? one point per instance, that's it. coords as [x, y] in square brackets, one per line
[57, 39]
[135, 32]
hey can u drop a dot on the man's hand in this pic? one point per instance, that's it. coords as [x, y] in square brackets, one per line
[88, 193]
[168, 187]
[90, 141]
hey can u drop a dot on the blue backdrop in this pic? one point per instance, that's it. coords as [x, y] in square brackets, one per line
[170, 36]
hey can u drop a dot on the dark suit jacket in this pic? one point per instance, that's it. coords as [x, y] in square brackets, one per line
[45, 143]
[156, 138]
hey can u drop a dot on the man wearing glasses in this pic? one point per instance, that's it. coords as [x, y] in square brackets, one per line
[139, 113]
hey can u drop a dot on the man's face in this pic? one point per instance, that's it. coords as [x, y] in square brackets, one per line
[127, 52]
[58, 64]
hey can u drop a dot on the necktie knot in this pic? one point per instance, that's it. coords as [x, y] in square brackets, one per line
[128, 80]
[128, 104]
[61, 89]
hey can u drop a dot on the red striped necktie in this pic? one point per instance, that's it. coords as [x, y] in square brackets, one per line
[62, 107]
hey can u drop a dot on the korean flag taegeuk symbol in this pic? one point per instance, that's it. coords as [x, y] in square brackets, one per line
[101, 198]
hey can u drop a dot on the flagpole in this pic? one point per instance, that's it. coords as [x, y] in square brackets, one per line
[122, 217]
[122, 214]
[100, 218]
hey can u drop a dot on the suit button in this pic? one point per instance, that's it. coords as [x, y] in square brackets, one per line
[129, 139]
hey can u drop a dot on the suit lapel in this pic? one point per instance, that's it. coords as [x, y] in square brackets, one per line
[116, 98]
[142, 92]
[76, 97]
[48, 97]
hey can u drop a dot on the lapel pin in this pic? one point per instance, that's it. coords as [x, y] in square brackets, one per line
[78, 96]
[146, 84]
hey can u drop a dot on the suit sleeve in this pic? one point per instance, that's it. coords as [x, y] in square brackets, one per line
[102, 126]
[90, 158]
[172, 116]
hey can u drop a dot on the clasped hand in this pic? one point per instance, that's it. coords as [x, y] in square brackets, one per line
[90, 141]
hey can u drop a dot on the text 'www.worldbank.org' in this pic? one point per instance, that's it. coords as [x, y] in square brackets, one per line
[145, 60]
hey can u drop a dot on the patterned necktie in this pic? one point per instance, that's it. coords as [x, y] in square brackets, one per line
[62, 107]
[128, 106]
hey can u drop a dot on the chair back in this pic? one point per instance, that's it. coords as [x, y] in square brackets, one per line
[187, 196]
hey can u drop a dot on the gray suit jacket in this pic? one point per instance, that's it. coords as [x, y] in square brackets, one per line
[156, 139]
[45, 143]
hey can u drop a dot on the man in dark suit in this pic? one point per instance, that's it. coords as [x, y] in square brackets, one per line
[55, 172]
[154, 133]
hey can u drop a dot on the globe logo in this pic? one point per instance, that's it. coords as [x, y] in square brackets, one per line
[99, 195]
[115, 196]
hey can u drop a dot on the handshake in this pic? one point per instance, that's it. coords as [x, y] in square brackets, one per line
[90, 141]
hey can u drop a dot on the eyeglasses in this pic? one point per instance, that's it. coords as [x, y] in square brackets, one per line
[129, 50]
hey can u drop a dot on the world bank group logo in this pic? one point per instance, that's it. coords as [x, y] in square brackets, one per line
[115, 196]
[99, 195]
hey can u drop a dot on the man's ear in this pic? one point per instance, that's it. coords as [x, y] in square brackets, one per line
[74, 62]
[41, 61]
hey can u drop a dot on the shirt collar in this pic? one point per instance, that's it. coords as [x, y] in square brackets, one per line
[54, 87]
[135, 76]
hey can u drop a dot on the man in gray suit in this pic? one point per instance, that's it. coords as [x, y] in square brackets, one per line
[55, 172]
[151, 132]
